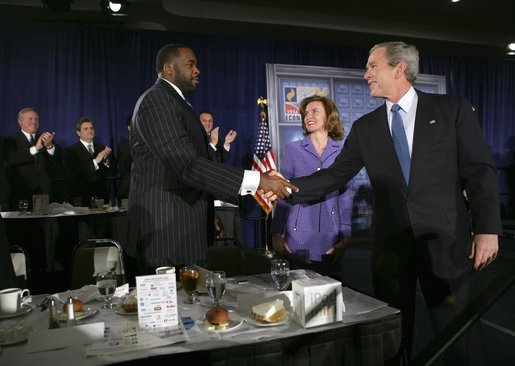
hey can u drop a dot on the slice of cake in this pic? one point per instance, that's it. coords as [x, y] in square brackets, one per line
[269, 312]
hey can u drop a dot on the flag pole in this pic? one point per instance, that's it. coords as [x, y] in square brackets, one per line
[262, 103]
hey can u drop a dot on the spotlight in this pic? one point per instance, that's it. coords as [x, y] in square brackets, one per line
[115, 7]
[511, 46]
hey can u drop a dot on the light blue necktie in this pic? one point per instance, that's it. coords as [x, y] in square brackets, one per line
[400, 142]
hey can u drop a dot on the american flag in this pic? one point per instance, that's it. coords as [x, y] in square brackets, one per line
[264, 159]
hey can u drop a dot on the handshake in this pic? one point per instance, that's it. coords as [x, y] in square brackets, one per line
[273, 186]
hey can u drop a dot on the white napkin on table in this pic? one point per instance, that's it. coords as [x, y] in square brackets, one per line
[89, 293]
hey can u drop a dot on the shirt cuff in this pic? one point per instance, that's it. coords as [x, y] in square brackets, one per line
[250, 182]
[33, 150]
[213, 146]
[95, 164]
[227, 147]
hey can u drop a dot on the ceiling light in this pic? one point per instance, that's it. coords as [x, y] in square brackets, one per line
[511, 46]
[114, 7]
[455, 1]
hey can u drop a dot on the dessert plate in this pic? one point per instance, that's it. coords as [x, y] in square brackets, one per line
[235, 320]
[258, 323]
[120, 311]
[25, 308]
[86, 312]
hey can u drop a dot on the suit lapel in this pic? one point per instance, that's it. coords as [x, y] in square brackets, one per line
[426, 125]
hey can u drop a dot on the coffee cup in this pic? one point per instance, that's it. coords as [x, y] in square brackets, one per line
[11, 300]
[165, 270]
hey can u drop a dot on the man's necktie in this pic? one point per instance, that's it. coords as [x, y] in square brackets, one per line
[90, 149]
[32, 140]
[400, 142]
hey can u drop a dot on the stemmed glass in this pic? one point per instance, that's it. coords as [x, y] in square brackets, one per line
[280, 271]
[23, 205]
[106, 283]
[189, 281]
[215, 285]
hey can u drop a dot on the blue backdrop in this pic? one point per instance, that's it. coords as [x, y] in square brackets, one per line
[68, 72]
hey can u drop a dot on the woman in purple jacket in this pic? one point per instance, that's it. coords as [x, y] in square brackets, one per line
[320, 228]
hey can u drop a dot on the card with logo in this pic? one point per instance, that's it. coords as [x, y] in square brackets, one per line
[157, 301]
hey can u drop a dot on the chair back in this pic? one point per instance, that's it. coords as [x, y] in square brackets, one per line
[20, 260]
[93, 256]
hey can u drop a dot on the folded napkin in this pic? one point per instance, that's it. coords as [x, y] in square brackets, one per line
[65, 209]
[89, 293]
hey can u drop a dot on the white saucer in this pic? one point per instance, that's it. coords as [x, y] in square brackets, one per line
[25, 308]
[235, 320]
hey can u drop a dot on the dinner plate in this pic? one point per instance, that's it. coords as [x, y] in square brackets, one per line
[14, 333]
[235, 320]
[25, 308]
[87, 311]
[258, 323]
[120, 311]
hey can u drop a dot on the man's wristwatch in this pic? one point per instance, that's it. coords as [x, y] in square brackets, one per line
[49, 147]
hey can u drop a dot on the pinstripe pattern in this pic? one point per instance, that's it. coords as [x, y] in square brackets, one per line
[173, 181]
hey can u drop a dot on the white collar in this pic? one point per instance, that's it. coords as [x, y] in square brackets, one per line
[176, 88]
[406, 101]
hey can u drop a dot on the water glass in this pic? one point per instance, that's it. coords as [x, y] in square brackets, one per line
[106, 284]
[189, 281]
[280, 271]
[215, 285]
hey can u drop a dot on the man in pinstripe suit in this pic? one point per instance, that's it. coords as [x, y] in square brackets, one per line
[173, 182]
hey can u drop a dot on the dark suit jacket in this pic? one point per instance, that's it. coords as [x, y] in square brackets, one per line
[27, 174]
[85, 180]
[124, 168]
[172, 180]
[220, 155]
[449, 155]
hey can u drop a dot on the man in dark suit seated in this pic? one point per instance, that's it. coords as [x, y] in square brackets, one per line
[218, 151]
[29, 157]
[90, 165]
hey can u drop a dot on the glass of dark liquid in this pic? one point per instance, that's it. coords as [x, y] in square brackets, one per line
[189, 281]
[215, 285]
[280, 271]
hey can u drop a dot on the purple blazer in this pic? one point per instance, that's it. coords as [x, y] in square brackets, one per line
[314, 226]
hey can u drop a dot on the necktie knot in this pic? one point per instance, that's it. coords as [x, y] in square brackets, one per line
[395, 108]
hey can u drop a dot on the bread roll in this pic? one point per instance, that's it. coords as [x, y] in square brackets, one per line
[217, 316]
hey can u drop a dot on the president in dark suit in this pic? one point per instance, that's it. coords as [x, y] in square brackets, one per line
[172, 180]
[436, 216]
[90, 165]
[28, 157]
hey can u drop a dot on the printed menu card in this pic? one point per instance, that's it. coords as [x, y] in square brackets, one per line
[157, 301]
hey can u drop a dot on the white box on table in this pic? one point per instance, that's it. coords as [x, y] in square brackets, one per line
[317, 301]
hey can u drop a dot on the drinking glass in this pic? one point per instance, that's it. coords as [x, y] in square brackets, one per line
[106, 283]
[189, 281]
[23, 205]
[215, 285]
[280, 271]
